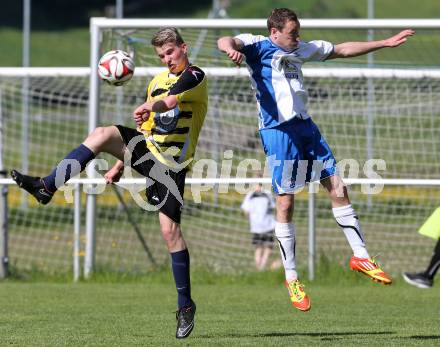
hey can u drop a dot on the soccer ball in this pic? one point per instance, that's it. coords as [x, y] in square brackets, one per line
[116, 67]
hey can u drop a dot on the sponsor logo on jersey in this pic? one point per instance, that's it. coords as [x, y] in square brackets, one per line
[194, 73]
[289, 68]
[167, 121]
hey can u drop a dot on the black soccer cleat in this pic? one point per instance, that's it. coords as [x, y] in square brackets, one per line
[185, 320]
[33, 185]
[419, 280]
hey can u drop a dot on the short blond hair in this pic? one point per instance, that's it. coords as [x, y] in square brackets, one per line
[167, 35]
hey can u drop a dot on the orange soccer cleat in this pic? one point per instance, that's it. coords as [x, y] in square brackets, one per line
[299, 298]
[369, 267]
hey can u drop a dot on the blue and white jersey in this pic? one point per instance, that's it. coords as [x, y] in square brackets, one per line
[277, 77]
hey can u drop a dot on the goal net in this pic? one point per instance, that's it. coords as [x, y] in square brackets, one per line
[387, 108]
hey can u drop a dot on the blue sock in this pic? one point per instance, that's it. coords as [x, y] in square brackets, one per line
[180, 264]
[82, 155]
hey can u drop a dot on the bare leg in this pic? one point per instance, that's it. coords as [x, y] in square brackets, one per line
[172, 233]
[285, 205]
[257, 257]
[337, 191]
[267, 251]
[106, 139]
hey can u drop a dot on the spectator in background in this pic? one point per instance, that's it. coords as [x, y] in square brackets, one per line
[259, 205]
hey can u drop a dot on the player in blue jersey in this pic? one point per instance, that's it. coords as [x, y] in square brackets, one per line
[296, 151]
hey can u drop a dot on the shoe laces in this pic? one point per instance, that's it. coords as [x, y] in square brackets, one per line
[181, 312]
[373, 259]
[297, 288]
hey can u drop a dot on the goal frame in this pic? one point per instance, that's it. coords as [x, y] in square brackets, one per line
[97, 24]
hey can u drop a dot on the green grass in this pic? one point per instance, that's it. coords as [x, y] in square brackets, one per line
[247, 310]
[48, 48]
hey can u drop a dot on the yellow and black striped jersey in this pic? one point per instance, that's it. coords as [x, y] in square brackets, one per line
[175, 133]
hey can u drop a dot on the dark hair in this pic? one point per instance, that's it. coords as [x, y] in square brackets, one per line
[166, 35]
[278, 18]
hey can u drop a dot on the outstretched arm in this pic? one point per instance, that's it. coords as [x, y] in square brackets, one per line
[231, 46]
[354, 49]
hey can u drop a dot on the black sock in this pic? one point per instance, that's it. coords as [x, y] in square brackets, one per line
[435, 262]
[71, 165]
[180, 264]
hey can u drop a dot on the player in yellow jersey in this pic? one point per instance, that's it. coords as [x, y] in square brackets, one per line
[160, 148]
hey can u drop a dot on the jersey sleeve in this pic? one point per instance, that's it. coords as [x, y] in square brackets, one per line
[248, 39]
[317, 50]
[185, 87]
[250, 49]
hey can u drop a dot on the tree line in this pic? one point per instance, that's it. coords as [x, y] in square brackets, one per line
[62, 14]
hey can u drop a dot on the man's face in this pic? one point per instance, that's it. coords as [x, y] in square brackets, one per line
[173, 56]
[288, 37]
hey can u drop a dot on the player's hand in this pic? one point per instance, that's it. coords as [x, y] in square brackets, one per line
[400, 38]
[235, 56]
[141, 114]
[113, 175]
[140, 118]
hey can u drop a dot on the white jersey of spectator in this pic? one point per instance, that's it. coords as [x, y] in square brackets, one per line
[260, 206]
[277, 77]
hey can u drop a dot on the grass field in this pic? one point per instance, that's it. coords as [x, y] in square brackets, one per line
[250, 311]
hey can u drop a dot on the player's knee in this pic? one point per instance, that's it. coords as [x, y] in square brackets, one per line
[338, 192]
[170, 234]
[99, 136]
[99, 132]
[96, 135]
[284, 205]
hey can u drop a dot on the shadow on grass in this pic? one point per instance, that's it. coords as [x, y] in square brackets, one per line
[324, 335]
[424, 337]
[347, 333]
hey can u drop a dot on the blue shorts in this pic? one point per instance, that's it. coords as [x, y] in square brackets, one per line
[296, 153]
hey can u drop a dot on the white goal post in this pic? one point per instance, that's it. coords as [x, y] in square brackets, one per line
[403, 101]
[98, 24]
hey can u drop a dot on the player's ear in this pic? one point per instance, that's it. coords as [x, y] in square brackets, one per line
[273, 31]
[184, 46]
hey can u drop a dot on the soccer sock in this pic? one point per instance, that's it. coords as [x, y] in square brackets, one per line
[71, 165]
[285, 234]
[435, 262]
[349, 222]
[180, 264]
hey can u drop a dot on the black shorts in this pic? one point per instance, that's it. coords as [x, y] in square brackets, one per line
[264, 239]
[157, 193]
